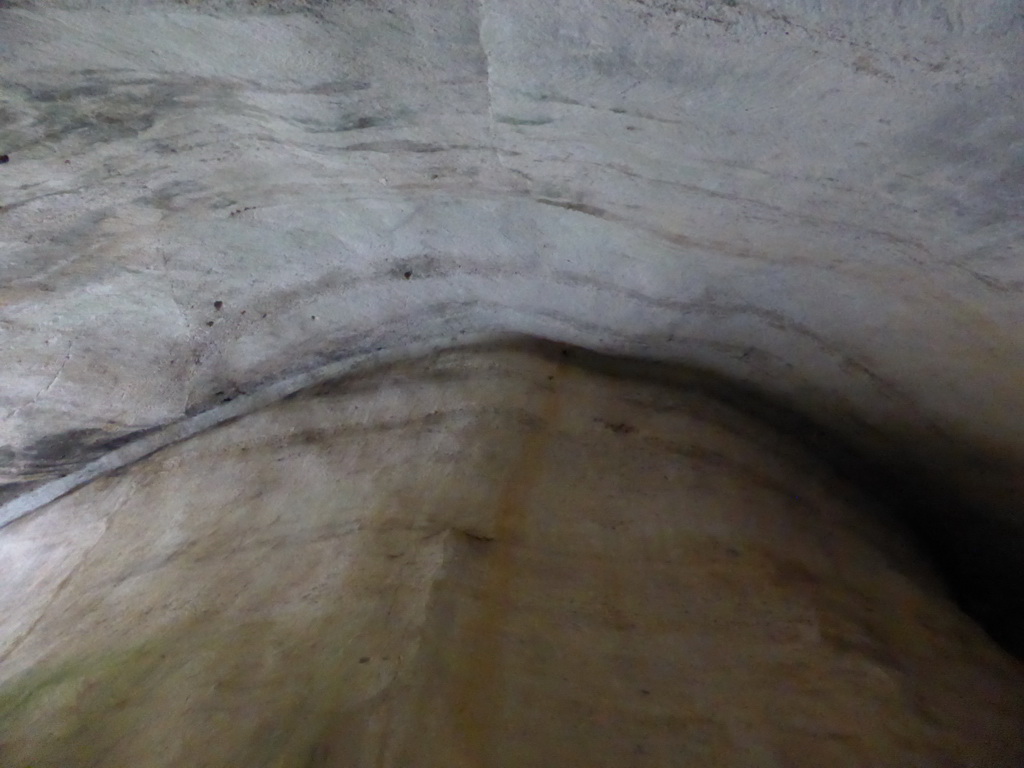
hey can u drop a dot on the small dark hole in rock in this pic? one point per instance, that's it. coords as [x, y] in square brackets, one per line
[621, 428]
[5, 158]
[407, 275]
[209, 322]
[218, 304]
[364, 659]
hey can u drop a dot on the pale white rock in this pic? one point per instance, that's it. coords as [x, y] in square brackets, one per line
[209, 205]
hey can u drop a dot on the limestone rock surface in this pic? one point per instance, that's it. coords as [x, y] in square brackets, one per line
[492, 557]
[821, 200]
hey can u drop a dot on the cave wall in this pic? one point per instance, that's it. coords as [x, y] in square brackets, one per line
[812, 207]
[492, 556]
[818, 199]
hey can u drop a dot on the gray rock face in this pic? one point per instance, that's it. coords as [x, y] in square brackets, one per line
[819, 202]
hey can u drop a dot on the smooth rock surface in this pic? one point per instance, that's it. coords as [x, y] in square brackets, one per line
[498, 556]
[821, 200]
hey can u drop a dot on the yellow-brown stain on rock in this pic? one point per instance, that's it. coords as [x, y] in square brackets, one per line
[478, 690]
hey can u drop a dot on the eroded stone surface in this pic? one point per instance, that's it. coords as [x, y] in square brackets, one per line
[490, 557]
[820, 200]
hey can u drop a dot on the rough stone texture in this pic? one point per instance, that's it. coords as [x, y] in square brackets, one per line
[495, 557]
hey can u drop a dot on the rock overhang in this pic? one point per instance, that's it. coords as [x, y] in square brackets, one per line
[818, 203]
